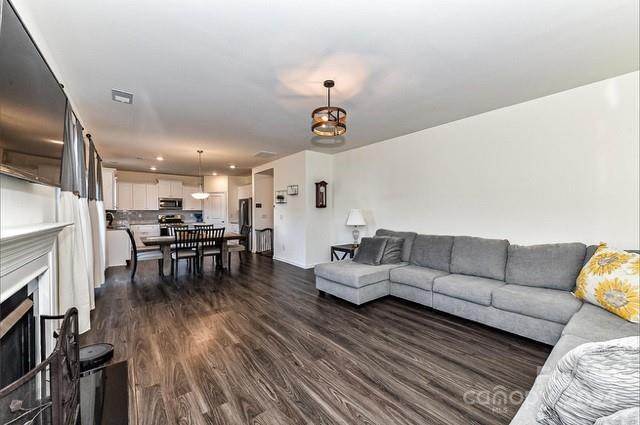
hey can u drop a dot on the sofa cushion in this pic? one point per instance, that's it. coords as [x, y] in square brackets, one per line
[596, 324]
[479, 257]
[420, 277]
[370, 251]
[554, 266]
[630, 416]
[529, 408]
[353, 274]
[593, 380]
[469, 288]
[542, 303]
[565, 344]
[408, 240]
[392, 250]
[433, 251]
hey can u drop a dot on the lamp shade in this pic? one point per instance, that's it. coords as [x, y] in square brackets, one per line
[355, 218]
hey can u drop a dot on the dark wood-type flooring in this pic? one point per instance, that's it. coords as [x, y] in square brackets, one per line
[259, 346]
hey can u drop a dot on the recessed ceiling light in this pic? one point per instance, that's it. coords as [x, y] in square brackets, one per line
[159, 158]
[153, 168]
[214, 174]
[121, 96]
[232, 166]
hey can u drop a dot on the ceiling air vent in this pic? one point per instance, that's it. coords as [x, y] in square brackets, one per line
[121, 96]
[265, 154]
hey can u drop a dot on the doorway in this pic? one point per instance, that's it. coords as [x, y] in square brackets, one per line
[263, 212]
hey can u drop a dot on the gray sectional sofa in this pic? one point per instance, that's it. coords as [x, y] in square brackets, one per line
[524, 290]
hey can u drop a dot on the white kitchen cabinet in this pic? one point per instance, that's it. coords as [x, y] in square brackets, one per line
[125, 196]
[152, 197]
[118, 248]
[139, 196]
[164, 188]
[189, 203]
[170, 189]
[176, 189]
[144, 230]
[109, 188]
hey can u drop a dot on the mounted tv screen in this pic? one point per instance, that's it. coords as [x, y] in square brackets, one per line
[32, 106]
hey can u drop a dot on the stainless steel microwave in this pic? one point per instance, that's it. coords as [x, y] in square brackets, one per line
[170, 203]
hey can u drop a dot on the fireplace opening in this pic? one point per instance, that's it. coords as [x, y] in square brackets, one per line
[17, 337]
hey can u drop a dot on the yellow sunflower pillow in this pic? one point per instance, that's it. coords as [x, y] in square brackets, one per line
[611, 280]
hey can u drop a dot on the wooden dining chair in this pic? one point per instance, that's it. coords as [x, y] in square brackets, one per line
[186, 248]
[211, 240]
[143, 254]
[171, 228]
[241, 246]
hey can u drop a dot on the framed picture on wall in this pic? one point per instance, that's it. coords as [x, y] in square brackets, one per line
[292, 190]
[281, 196]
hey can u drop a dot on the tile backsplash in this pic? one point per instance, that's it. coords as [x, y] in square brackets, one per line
[146, 216]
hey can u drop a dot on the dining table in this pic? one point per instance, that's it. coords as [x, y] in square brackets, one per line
[165, 242]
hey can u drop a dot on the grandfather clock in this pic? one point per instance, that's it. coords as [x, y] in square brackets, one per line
[321, 194]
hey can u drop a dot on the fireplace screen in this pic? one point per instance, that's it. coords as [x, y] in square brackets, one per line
[49, 393]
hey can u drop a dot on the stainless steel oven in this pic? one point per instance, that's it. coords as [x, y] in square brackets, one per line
[170, 203]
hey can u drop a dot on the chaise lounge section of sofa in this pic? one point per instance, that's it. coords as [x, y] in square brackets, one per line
[525, 290]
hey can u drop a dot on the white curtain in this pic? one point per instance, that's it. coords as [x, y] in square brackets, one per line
[72, 266]
[75, 247]
[99, 225]
[87, 237]
[96, 212]
[85, 217]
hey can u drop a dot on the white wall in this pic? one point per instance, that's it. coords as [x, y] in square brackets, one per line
[319, 223]
[263, 194]
[288, 219]
[245, 191]
[301, 233]
[23, 203]
[558, 168]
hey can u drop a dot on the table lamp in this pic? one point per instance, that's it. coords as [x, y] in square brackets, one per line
[355, 219]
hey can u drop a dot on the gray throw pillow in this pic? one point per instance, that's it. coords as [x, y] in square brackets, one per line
[592, 381]
[370, 251]
[630, 416]
[392, 250]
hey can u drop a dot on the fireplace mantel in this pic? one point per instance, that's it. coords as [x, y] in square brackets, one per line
[24, 253]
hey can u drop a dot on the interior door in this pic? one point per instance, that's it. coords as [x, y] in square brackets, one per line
[215, 209]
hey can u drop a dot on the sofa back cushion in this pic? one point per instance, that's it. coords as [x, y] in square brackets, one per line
[479, 256]
[554, 266]
[408, 240]
[370, 251]
[392, 250]
[433, 251]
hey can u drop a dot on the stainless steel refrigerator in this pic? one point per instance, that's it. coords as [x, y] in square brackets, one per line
[244, 215]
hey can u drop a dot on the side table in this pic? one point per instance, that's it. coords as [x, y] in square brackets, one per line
[340, 252]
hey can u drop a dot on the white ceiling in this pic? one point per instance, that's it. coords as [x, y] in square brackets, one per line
[238, 77]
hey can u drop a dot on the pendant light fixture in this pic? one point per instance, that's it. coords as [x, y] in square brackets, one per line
[200, 195]
[329, 121]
